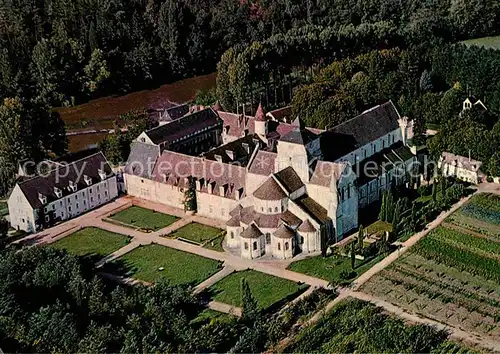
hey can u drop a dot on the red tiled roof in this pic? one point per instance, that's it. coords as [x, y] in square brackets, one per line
[326, 171]
[263, 163]
[251, 232]
[284, 232]
[281, 113]
[260, 115]
[174, 168]
[306, 226]
[269, 190]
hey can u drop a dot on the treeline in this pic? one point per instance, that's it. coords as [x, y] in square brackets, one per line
[352, 28]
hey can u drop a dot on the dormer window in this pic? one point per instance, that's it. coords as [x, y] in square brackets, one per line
[58, 192]
[230, 154]
[72, 186]
[42, 198]
[102, 174]
[88, 180]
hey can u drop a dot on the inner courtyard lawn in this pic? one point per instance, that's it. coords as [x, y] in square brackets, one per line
[144, 218]
[196, 232]
[266, 289]
[92, 241]
[179, 267]
[333, 268]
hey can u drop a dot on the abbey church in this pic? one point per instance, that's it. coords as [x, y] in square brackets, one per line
[280, 187]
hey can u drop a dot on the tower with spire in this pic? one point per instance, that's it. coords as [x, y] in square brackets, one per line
[261, 127]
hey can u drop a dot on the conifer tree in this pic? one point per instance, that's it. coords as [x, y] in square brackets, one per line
[382, 215]
[353, 256]
[361, 236]
[249, 307]
[434, 191]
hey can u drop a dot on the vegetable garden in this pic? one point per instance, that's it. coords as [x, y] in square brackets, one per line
[453, 274]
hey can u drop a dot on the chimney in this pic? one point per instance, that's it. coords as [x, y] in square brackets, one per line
[246, 147]
[222, 190]
[102, 174]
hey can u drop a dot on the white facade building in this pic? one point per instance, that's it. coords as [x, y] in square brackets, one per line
[64, 192]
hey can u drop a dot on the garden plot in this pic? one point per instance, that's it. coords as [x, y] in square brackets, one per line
[449, 276]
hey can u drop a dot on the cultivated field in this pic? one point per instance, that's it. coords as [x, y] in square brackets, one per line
[268, 290]
[453, 274]
[92, 241]
[154, 262]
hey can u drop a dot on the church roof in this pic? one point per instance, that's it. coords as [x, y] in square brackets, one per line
[217, 106]
[251, 232]
[183, 127]
[284, 232]
[61, 176]
[359, 131]
[142, 159]
[313, 209]
[326, 172]
[263, 163]
[270, 190]
[260, 115]
[307, 226]
[175, 113]
[301, 137]
[234, 221]
[289, 179]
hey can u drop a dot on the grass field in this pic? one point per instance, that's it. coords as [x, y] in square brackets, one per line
[197, 233]
[267, 289]
[91, 241]
[486, 42]
[207, 315]
[453, 274]
[142, 218]
[180, 267]
[332, 267]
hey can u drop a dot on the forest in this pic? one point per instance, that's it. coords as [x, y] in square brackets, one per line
[61, 53]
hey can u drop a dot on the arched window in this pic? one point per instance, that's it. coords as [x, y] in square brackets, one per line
[255, 246]
[232, 234]
[276, 210]
[268, 238]
[246, 245]
[279, 246]
[286, 246]
[270, 210]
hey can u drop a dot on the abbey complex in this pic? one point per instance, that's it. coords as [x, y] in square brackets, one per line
[280, 187]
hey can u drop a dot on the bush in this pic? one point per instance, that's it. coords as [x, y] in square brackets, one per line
[424, 190]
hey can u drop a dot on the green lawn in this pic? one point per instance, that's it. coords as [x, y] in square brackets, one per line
[266, 289]
[144, 218]
[180, 267]
[91, 241]
[379, 226]
[196, 232]
[330, 268]
[486, 42]
[216, 244]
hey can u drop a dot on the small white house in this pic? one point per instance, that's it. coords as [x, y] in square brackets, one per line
[62, 193]
[460, 167]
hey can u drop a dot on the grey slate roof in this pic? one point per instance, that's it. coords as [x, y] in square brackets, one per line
[183, 127]
[284, 232]
[361, 130]
[251, 232]
[175, 113]
[289, 179]
[142, 159]
[62, 175]
[301, 137]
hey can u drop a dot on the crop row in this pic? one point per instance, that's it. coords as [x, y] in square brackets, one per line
[468, 241]
[481, 213]
[486, 201]
[462, 259]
